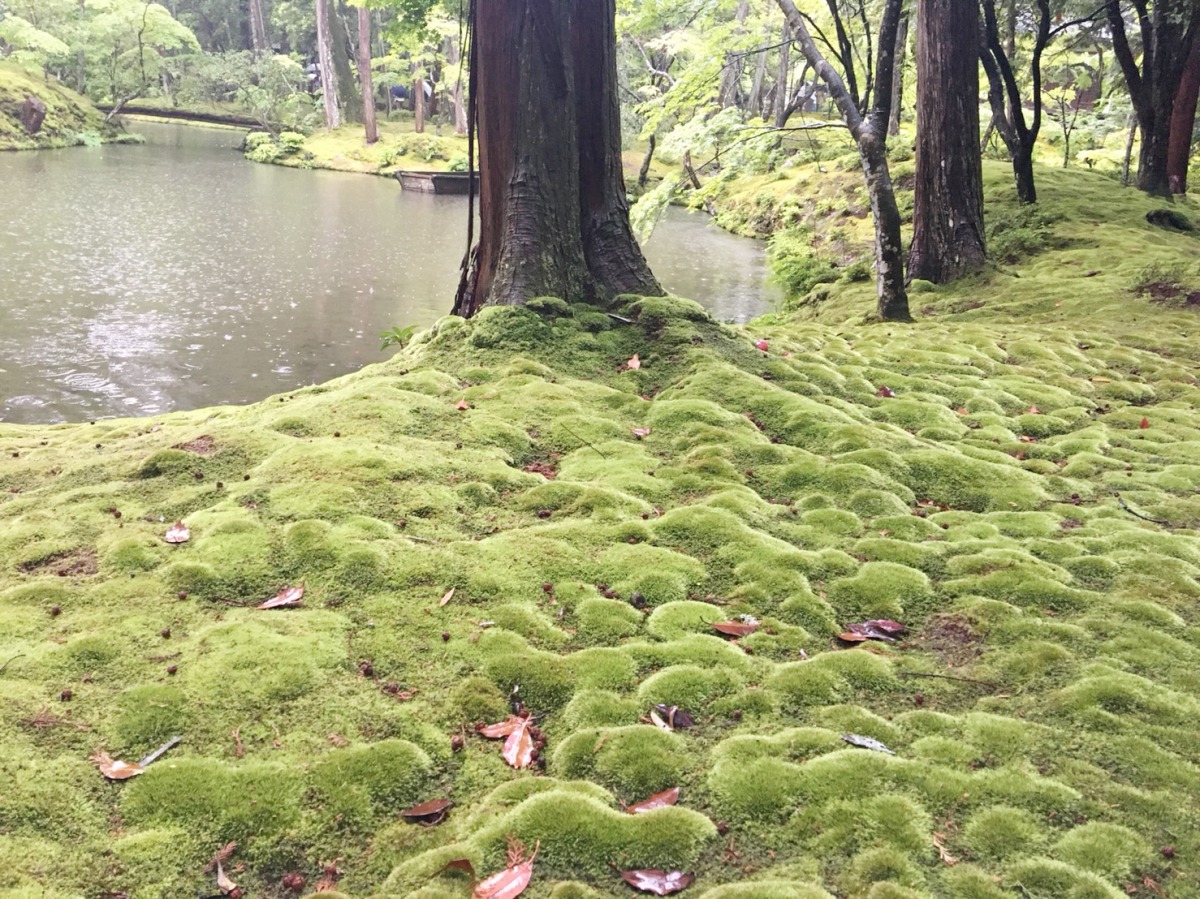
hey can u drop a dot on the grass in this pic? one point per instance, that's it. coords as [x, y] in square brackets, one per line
[71, 120]
[1043, 711]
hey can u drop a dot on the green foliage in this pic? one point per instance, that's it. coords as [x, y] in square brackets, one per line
[795, 265]
[1017, 232]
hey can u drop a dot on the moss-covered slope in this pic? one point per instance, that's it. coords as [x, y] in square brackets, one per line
[71, 119]
[1043, 711]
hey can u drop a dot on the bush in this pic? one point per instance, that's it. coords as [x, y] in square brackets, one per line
[795, 265]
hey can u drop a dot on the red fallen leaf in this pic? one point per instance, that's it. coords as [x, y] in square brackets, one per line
[116, 769]
[1034, 410]
[849, 637]
[288, 596]
[885, 391]
[634, 363]
[449, 596]
[660, 883]
[658, 800]
[736, 628]
[1145, 423]
[427, 814]
[178, 533]
[510, 882]
[224, 884]
[875, 629]
[520, 734]
[502, 729]
[963, 410]
[639, 433]
[462, 405]
[761, 344]
[459, 864]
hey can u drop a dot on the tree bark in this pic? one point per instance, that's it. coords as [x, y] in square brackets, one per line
[258, 28]
[870, 134]
[347, 98]
[948, 239]
[553, 214]
[333, 115]
[419, 106]
[783, 77]
[730, 92]
[898, 76]
[1183, 122]
[365, 84]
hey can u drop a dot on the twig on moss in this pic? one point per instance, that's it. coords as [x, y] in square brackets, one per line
[581, 440]
[955, 677]
[1136, 514]
[10, 661]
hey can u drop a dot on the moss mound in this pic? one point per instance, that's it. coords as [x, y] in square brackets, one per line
[1007, 505]
[71, 119]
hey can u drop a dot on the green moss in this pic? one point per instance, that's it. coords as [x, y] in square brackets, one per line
[1110, 850]
[1047, 879]
[831, 677]
[357, 784]
[633, 761]
[880, 590]
[1000, 832]
[150, 715]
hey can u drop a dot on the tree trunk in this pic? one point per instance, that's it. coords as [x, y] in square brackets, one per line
[870, 134]
[783, 77]
[419, 106]
[258, 28]
[898, 76]
[365, 84]
[644, 171]
[730, 92]
[347, 98]
[754, 102]
[456, 93]
[333, 116]
[553, 215]
[948, 239]
[1183, 122]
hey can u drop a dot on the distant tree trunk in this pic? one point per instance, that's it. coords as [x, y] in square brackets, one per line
[730, 92]
[1183, 122]
[948, 239]
[365, 84]
[1167, 35]
[898, 76]
[456, 93]
[348, 100]
[419, 106]
[553, 215]
[333, 115]
[754, 102]
[870, 133]
[644, 171]
[783, 77]
[258, 28]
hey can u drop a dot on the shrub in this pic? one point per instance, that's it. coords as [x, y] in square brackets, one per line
[795, 265]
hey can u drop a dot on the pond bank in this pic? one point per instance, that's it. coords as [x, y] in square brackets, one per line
[70, 118]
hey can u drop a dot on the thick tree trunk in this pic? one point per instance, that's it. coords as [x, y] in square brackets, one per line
[948, 239]
[258, 28]
[347, 97]
[365, 85]
[329, 93]
[1183, 122]
[553, 215]
[898, 76]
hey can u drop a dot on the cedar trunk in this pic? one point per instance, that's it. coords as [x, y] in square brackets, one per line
[258, 27]
[948, 239]
[365, 84]
[333, 117]
[1183, 122]
[553, 216]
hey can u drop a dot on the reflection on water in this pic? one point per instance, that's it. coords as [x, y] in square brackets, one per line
[139, 279]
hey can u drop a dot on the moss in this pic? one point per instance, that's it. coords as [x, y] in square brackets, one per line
[687, 686]
[880, 590]
[873, 868]
[477, 699]
[1047, 879]
[1110, 850]
[357, 784]
[1000, 832]
[633, 761]
[150, 715]
[831, 678]
[607, 621]
[546, 682]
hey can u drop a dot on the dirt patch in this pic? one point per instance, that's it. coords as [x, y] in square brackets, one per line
[951, 638]
[1169, 293]
[73, 563]
[204, 445]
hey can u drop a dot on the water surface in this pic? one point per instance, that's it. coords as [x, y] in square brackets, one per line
[136, 280]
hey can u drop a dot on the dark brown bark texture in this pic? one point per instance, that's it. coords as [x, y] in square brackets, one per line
[1168, 30]
[1183, 122]
[366, 85]
[948, 239]
[554, 220]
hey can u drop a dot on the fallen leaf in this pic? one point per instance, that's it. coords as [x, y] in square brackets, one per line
[1145, 423]
[1098, 379]
[677, 718]
[224, 884]
[634, 363]
[947, 859]
[510, 882]
[885, 391]
[459, 864]
[639, 433]
[521, 735]
[178, 533]
[736, 628]
[502, 729]
[224, 854]
[427, 814]
[866, 743]
[658, 800]
[761, 344]
[1025, 438]
[875, 629]
[660, 883]
[449, 596]
[288, 596]
[658, 721]
[462, 405]
[1034, 410]
[116, 769]
[850, 637]
[963, 410]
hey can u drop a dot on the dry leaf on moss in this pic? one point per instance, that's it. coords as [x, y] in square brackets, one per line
[178, 533]
[634, 363]
[658, 800]
[115, 769]
[449, 596]
[427, 814]
[510, 882]
[659, 883]
[288, 596]
[736, 628]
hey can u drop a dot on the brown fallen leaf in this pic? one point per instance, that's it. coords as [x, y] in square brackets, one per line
[677, 718]
[427, 814]
[736, 628]
[876, 629]
[459, 864]
[659, 883]
[462, 405]
[947, 859]
[449, 596]
[116, 769]
[885, 391]
[634, 363]
[224, 854]
[658, 800]
[510, 882]
[224, 884]
[178, 533]
[521, 736]
[288, 596]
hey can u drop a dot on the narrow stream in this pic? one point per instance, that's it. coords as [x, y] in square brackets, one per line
[136, 280]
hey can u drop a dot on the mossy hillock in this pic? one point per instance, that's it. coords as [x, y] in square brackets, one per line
[71, 119]
[1025, 504]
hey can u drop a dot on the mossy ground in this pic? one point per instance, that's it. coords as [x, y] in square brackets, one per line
[71, 119]
[1043, 711]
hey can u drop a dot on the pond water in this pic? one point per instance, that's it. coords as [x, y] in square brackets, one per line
[136, 280]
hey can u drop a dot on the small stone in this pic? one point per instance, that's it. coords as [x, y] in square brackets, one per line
[165, 633]
[182, 594]
[445, 636]
[171, 669]
[245, 477]
[456, 743]
[337, 433]
[55, 611]
[220, 486]
[1167, 851]
[543, 513]
[65, 696]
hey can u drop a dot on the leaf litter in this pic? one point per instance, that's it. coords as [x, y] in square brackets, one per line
[656, 882]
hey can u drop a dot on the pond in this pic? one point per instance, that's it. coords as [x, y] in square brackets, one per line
[140, 279]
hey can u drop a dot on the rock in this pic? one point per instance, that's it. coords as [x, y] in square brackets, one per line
[33, 113]
[1170, 219]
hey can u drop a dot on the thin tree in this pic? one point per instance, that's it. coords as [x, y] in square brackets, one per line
[948, 239]
[869, 131]
[365, 84]
[554, 220]
[1167, 32]
[325, 66]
